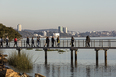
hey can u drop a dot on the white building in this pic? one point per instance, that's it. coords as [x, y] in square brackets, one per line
[44, 33]
[56, 34]
[36, 35]
[19, 27]
[65, 29]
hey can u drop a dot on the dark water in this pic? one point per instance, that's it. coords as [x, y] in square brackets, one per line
[59, 64]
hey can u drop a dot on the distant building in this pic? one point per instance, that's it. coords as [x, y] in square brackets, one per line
[44, 33]
[65, 29]
[56, 34]
[19, 27]
[36, 35]
[60, 29]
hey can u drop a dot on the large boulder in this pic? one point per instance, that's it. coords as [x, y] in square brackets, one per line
[11, 73]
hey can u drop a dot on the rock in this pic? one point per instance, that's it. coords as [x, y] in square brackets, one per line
[39, 75]
[24, 75]
[11, 73]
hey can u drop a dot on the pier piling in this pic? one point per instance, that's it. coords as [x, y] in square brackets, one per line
[45, 49]
[76, 58]
[96, 57]
[105, 55]
[71, 57]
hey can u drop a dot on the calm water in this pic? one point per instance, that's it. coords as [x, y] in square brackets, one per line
[59, 64]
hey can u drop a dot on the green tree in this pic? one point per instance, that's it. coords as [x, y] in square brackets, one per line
[8, 31]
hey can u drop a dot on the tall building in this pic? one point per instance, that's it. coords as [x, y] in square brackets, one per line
[19, 27]
[44, 33]
[65, 29]
[60, 29]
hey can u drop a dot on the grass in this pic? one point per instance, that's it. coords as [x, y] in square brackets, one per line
[38, 50]
[52, 50]
[61, 51]
[20, 62]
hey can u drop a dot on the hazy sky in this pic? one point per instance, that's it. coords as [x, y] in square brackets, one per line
[76, 15]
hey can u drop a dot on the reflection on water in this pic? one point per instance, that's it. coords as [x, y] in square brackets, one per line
[59, 65]
[54, 70]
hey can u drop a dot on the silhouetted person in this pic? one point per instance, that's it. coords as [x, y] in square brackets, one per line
[72, 41]
[32, 42]
[1, 41]
[87, 41]
[7, 39]
[27, 42]
[47, 41]
[38, 41]
[15, 42]
[58, 41]
[52, 40]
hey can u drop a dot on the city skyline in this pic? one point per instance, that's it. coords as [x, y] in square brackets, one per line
[75, 15]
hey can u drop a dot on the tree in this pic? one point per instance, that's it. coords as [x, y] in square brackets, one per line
[8, 31]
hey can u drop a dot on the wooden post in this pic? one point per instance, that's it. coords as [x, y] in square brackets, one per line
[96, 57]
[105, 55]
[75, 55]
[45, 55]
[71, 57]
[76, 58]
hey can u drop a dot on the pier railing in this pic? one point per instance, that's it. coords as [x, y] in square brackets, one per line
[66, 43]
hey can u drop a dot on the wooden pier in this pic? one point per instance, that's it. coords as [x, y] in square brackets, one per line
[78, 44]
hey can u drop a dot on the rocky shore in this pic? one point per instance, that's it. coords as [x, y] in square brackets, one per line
[7, 72]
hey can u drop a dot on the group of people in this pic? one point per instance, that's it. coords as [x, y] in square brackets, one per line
[52, 41]
[46, 43]
[3, 41]
[38, 42]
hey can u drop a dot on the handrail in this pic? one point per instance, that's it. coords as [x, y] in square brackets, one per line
[66, 43]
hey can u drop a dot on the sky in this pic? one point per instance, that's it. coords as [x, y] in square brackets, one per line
[76, 15]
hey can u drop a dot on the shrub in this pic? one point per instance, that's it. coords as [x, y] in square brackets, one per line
[23, 61]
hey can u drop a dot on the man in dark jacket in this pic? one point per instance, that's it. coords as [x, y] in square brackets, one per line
[87, 41]
[47, 41]
[52, 40]
[27, 42]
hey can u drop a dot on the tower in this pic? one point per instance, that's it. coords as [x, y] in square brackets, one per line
[19, 27]
[60, 29]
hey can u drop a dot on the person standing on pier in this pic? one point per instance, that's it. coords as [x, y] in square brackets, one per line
[1, 41]
[47, 42]
[87, 41]
[72, 41]
[38, 41]
[32, 42]
[58, 41]
[27, 42]
[7, 39]
[15, 42]
[52, 40]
